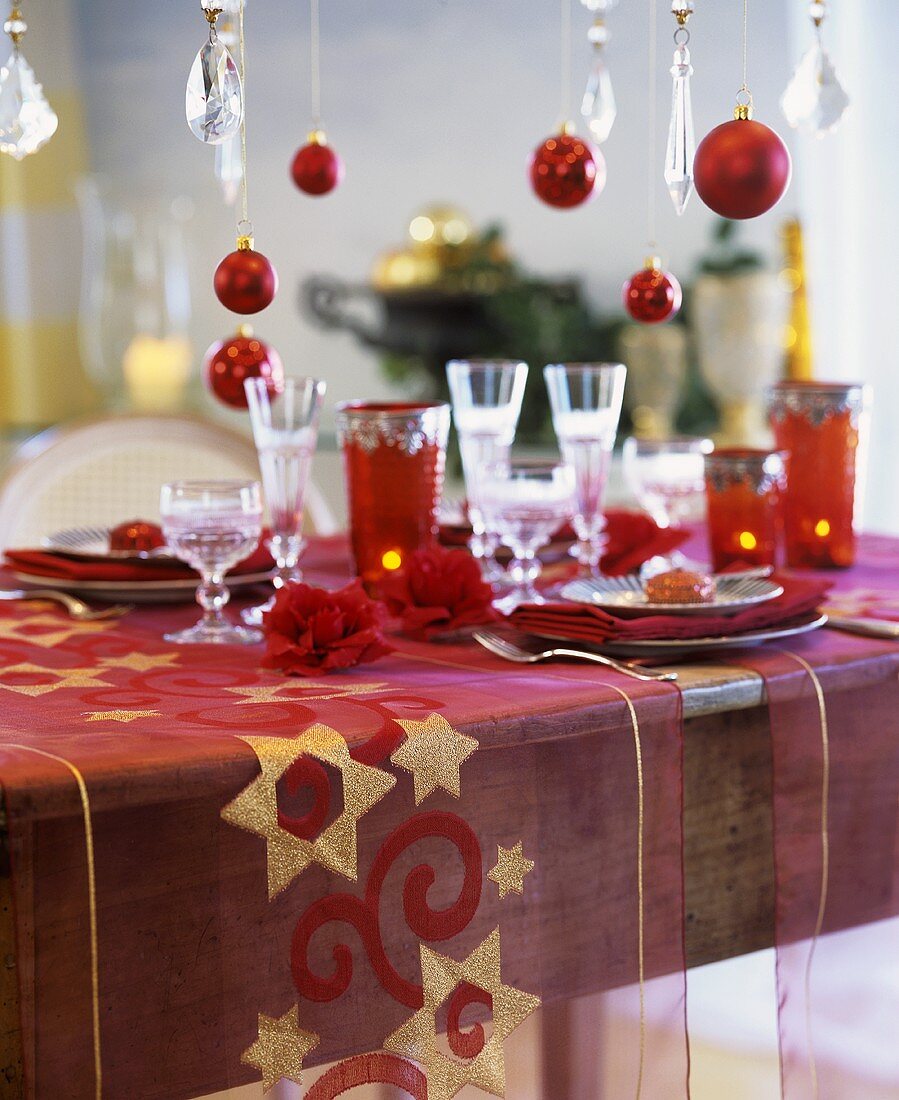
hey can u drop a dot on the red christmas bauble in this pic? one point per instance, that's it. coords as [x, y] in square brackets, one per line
[741, 169]
[566, 170]
[316, 168]
[136, 536]
[652, 295]
[245, 281]
[230, 362]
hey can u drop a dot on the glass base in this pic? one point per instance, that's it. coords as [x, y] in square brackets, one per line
[224, 633]
[252, 616]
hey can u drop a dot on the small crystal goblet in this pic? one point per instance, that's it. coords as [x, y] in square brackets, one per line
[212, 525]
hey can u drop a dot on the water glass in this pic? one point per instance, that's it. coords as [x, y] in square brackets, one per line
[667, 476]
[822, 427]
[486, 396]
[285, 428]
[212, 525]
[394, 455]
[525, 503]
[745, 489]
[586, 406]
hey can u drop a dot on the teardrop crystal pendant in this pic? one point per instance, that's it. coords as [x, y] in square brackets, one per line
[681, 141]
[814, 100]
[27, 121]
[214, 99]
[598, 105]
[229, 169]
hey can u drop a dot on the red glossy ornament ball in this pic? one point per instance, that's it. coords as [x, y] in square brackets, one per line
[741, 169]
[230, 362]
[652, 295]
[566, 170]
[245, 281]
[136, 536]
[316, 168]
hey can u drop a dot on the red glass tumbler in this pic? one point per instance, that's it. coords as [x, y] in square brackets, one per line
[394, 457]
[822, 427]
[744, 489]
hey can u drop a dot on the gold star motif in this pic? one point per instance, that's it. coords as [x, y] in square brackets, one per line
[510, 869]
[417, 1038]
[118, 715]
[256, 807]
[280, 1049]
[433, 752]
[65, 678]
[64, 629]
[273, 693]
[140, 662]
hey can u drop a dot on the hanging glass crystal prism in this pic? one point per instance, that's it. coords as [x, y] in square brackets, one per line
[27, 121]
[229, 169]
[214, 101]
[681, 141]
[598, 105]
[814, 100]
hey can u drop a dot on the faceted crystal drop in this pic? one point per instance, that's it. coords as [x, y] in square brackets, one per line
[214, 96]
[27, 121]
[229, 169]
[814, 100]
[598, 105]
[681, 142]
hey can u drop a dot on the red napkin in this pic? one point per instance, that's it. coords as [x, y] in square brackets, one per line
[633, 538]
[43, 563]
[580, 622]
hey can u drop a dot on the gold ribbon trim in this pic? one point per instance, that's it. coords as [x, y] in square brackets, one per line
[92, 900]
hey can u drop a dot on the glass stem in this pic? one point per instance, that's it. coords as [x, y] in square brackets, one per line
[212, 596]
[524, 570]
[286, 551]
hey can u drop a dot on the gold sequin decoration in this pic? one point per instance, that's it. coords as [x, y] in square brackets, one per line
[118, 715]
[510, 870]
[281, 1048]
[433, 752]
[63, 678]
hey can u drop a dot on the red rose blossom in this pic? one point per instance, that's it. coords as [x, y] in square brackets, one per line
[311, 630]
[439, 591]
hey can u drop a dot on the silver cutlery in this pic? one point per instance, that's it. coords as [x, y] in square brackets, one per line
[76, 608]
[503, 647]
[872, 628]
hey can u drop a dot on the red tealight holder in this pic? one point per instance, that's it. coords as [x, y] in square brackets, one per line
[823, 427]
[744, 489]
[394, 457]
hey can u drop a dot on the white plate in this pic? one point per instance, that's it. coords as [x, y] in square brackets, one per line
[682, 647]
[626, 594]
[93, 542]
[173, 591]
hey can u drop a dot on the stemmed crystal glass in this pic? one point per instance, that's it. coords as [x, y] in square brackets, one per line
[586, 405]
[285, 428]
[525, 503]
[667, 476]
[212, 525]
[486, 396]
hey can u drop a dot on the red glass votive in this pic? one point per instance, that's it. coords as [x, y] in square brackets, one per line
[394, 456]
[822, 427]
[744, 490]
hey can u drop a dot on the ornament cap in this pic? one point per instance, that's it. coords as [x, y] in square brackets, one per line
[245, 243]
[212, 14]
[245, 331]
[653, 263]
[567, 128]
[743, 112]
[317, 137]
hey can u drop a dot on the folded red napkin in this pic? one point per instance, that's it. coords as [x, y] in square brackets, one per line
[801, 596]
[44, 563]
[633, 538]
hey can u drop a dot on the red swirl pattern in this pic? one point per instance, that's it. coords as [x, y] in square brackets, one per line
[465, 1044]
[363, 914]
[370, 1069]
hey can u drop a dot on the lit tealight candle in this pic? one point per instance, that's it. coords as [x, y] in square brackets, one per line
[391, 560]
[822, 528]
[747, 540]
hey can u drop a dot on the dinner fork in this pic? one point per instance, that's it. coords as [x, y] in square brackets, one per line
[507, 649]
[76, 608]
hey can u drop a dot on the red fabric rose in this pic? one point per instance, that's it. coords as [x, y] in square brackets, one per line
[311, 630]
[439, 591]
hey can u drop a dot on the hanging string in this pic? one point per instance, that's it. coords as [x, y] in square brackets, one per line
[565, 67]
[245, 200]
[651, 189]
[744, 87]
[315, 66]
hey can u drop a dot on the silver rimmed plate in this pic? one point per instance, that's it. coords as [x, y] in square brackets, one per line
[684, 647]
[626, 594]
[93, 542]
[173, 591]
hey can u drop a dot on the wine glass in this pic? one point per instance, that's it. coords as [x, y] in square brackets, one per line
[486, 396]
[586, 406]
[524, 504]
[667, 476]
[285, 428]
[212, 525]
